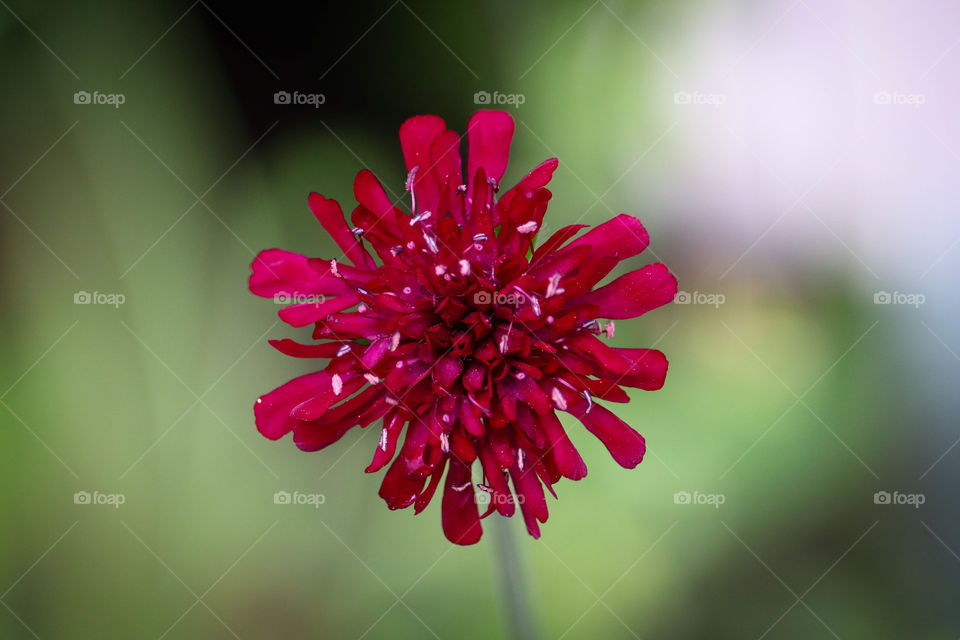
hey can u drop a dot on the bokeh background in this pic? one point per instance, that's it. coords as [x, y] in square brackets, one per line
[794, 161]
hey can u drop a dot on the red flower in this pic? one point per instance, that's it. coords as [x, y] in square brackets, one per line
[465, 339]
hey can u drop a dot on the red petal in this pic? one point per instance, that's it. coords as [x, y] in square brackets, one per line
[645, 368]
[423, 500]
[489, 134]
[621, 237]
[634, 293]
[298, 350]
[446, 166]
[369, 192]
[361, 409]
[539, 177]
[534, 180]
[501, 498]
[445, 157]
[533, 504]
[272, 411]
[555, 241]
[300, 315]
[624, 444]
[461, 518]
[416, 137]
[398, 488]
[640, 368]
[387, 446]
[568, 459]
[330, 216]
[278, 272]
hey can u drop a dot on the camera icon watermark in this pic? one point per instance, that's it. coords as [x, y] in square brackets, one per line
[97, 297]
[915, 100]
[499, 99]
[899, 298]
[697, 297]
[297, 298]
[699, 498]
[684, 98]
[299, 498]
[297, 98]
[112, 99]
[896, 498]
[97, 498]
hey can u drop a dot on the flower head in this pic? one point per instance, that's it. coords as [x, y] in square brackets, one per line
[458, 335]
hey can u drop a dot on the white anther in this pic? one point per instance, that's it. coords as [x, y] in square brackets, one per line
[410, 176]
[420, 217]
[558, 399]
[337, 383]
[553, 287]
[527, 227]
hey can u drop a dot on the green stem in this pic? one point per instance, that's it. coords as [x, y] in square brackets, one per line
[513, 586]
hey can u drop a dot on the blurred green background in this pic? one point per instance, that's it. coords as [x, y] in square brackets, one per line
[754, 141]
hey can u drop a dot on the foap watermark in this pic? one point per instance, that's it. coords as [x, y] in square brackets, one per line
[97, 498]
[910, 499]
[699, 297]
[99, 297]
[297, 298]
[112, 99]
[697, 497]
[486, 496]
[298, 497]
[898, 297]
[297, 98]
[502, 99]
[714, 100]
[915, 100]
[498, 298]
